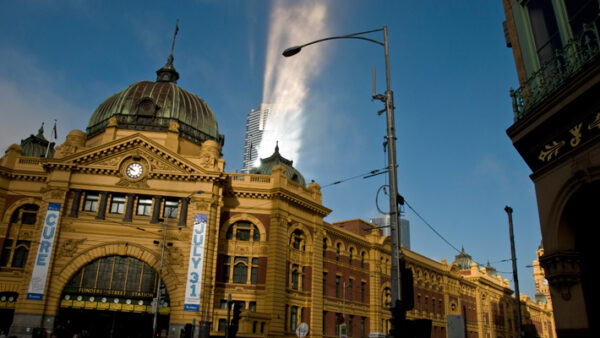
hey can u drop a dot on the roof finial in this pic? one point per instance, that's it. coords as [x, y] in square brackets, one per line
[170, 60]
[277, 147]
[168, 73]
[41, 131]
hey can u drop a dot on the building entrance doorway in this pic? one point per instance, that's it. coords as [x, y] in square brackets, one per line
[113, 296]
[106, 324]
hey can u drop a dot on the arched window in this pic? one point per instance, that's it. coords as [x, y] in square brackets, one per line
[243, 231]
[362, 259]
[297, 240]
[324, 247]
[240, 267]
[350, 256]
[338, 251]
[240, 270]
[25, 214]
[295, 276]
[15, 250]
[116, 278]
[386, 297]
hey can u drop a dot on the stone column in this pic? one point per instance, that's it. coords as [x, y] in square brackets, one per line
[102, 205]
[129, 208]
[183, 213]
[75, 205]
[156, 210]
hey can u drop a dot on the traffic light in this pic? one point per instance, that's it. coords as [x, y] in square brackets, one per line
[39, 332]
[187, 331]
[408, 288]
[398, 320]
[235, 320]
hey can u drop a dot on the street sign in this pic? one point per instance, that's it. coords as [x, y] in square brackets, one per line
[302, 330]
[154, 305]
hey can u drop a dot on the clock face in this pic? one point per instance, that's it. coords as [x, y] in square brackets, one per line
[545, 281]
[134, 170]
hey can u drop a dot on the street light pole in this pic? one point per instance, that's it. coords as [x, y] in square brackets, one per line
[162, 258]
[509, 211]
[388, 99]
[391, 142]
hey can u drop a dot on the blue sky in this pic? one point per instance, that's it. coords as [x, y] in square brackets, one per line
[451, 74]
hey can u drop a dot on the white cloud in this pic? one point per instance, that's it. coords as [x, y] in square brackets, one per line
[286, 79]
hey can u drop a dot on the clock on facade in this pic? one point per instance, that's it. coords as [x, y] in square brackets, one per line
[134, 170]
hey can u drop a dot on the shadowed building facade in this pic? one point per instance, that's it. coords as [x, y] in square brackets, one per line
[144, 191]
[556, 130]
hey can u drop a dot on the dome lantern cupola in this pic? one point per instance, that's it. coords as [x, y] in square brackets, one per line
[463, 260]
[167, 73]
[267, 164]
[154, 106]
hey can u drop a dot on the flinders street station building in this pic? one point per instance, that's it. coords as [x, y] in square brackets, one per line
[134, 224]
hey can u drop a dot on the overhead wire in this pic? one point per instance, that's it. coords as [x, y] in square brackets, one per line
[430, 226]
[386, 170]
[364, 175]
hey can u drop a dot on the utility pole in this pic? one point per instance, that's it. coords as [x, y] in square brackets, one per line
[509, 211]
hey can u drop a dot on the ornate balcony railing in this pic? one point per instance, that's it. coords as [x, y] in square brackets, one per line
[154, 124]
[558, 71]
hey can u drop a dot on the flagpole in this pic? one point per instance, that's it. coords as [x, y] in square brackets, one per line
[55, 137]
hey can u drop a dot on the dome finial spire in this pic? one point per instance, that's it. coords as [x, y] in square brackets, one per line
[41, 131]
[170, 60]
[168, 73]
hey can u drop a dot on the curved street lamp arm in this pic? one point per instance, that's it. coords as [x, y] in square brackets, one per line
[296, 49]
[344, 37]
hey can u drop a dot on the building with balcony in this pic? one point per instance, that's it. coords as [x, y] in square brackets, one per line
[137, 219]
[556, 129]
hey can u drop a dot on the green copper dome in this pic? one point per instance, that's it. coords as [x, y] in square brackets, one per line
[153, 106]
[267, 164]
[463, 260]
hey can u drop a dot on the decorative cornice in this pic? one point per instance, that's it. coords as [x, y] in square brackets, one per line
[563, 270]
[321, 210]
[22, 175]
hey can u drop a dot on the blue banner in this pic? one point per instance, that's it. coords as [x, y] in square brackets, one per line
[194, 275]
[37, 285]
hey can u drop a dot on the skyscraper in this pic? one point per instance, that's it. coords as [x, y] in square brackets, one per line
[404, 225]
[255, 126]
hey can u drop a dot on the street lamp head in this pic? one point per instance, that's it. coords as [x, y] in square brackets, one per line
[291, 51]
[199, 192]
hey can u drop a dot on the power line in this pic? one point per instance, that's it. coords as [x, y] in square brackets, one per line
[384, 171]
[430, 226]
[444, 239]
[364, 175]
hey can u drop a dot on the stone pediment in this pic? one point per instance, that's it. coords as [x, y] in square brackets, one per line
[112, 159]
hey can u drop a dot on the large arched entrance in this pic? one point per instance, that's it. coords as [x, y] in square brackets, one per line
[112, 297]
[581, 217]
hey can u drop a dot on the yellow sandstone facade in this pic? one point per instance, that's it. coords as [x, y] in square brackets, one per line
[146, 183]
